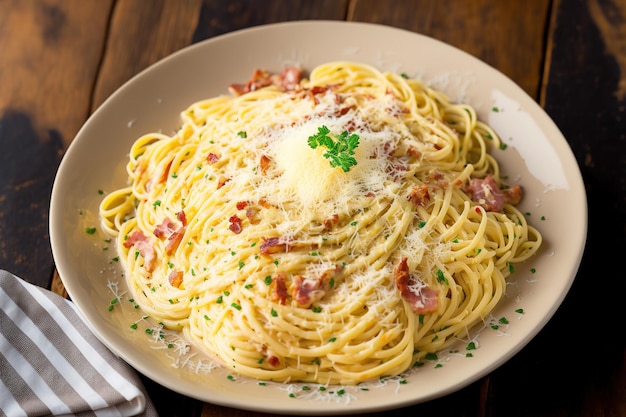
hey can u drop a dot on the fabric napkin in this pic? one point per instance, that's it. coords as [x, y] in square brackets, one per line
[51, 363]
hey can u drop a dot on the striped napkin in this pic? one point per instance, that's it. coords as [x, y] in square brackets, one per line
[51, 364]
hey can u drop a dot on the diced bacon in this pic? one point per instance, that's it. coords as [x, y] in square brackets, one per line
[135, 237]
[423, 300]
[260, 78]
[253, 215]
[263, 202]
[264, 163]
[142, 244]
[165, 228]
[163, 177]
[221, 181]
[437, 178]
[414, 152]
[485, 192]
[173, 240]
[288, 79]
[235, 224]
[512, 195]
[174, 233]
[273, 360]
[306, 291]
[212, 158]
[242, 204]
[279, 288]
[419, 195]
[175, 278]
[182, 217]
[274, 245]
[329, 222]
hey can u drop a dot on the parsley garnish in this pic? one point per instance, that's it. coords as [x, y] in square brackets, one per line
[340, 152]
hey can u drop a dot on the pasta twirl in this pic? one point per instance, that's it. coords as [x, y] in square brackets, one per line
[239, 233]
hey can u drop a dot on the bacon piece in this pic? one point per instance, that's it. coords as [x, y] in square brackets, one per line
[165, 173]
[288, 79]
[166, 228]
[512, 195]
[423, 300]
[253, 215]
[212, 158]
[264, 163]
[273, 360]
[485, 192]
[235, 224]
[221, 181]
[274, 245]
[182, 217]
[419, 195]
[279, 288]
[242, 204]
[414, 152]
[141, 242]
[169, 230]
[260, 78]
[307, 290]
[175, 278]
[437, 178]
[329, 222]
[173, 240]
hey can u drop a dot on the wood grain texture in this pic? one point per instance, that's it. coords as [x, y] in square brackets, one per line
[141, 33]
[508, 35]
[49, 55]
[217, 17]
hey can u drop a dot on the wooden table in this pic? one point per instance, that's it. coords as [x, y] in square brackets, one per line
[60, 59]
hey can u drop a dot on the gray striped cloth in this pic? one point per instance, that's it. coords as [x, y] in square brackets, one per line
[51, 363]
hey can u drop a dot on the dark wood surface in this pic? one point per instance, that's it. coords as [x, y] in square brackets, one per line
[60, 59]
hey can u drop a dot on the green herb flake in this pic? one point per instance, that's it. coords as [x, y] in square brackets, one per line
[90, 230]
[339, 152]
[441, 277]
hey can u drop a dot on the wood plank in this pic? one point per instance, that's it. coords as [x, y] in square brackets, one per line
[215, 19]
[142, 33]
[577, 364]
[487, 29]
[49, 55]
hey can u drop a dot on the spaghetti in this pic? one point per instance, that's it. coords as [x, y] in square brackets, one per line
[239, 233]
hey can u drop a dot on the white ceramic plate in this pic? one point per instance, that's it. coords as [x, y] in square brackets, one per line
[538, 157]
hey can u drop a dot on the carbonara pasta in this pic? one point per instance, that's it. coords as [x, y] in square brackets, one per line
[333, 228]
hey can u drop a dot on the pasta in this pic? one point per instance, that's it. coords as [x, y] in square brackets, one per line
[238, 230]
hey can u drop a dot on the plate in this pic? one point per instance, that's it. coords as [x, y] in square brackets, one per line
[537, 156]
